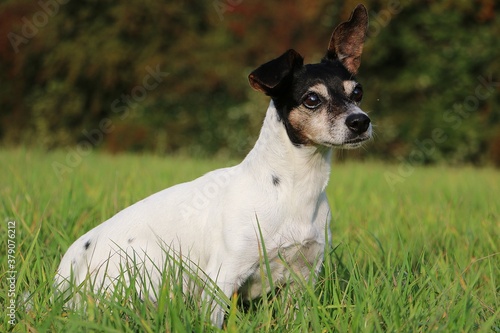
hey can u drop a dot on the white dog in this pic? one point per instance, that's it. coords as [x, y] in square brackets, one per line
[276, 196]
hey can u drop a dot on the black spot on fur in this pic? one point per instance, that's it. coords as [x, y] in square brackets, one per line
[86, 245]
[130, 240]
[276, 180]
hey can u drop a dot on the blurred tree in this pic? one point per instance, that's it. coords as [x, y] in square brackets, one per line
[171, 76]
[424, 65]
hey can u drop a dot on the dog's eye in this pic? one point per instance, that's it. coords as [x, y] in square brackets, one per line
[357, 93]
[311, 101]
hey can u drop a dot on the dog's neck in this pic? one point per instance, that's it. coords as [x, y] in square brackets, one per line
[276, 160]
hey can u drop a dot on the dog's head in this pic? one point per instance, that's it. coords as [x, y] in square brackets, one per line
[319, 103]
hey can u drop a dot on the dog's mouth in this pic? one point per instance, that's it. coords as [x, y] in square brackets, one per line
[355, 141]
[351, 143]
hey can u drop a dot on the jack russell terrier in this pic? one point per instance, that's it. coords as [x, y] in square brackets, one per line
[275, 197]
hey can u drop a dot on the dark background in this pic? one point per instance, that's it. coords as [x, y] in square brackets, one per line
[79, 73]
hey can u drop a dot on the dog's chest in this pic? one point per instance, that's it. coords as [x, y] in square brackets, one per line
[285, 264]
[294, 249]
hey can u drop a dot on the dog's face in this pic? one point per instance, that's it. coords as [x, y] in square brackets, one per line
[319, 103]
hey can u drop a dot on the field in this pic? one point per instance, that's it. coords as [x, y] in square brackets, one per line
[414, 250]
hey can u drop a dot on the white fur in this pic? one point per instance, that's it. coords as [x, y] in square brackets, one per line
[349, 87]
[213, 221]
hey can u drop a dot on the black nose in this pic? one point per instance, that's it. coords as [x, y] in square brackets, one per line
[357, 122]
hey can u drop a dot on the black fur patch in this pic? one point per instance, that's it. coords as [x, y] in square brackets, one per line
[276, 180]
[86, 245]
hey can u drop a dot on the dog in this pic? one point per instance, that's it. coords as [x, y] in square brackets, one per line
[274, 199]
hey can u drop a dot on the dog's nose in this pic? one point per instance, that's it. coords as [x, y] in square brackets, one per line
[357, 122]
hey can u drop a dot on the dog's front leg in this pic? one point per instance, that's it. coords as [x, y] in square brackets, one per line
[217, 315]
[219, 287]
[218, 300]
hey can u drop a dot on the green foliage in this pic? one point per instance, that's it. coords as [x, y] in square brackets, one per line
[429, 66]
[424, 64]
[422, 256]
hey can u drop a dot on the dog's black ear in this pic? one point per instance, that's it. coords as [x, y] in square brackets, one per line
[273, 75]
[346, 43]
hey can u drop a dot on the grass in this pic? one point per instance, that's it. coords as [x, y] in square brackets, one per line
[420, 256]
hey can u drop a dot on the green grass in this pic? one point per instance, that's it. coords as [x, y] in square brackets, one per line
[417, 257]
